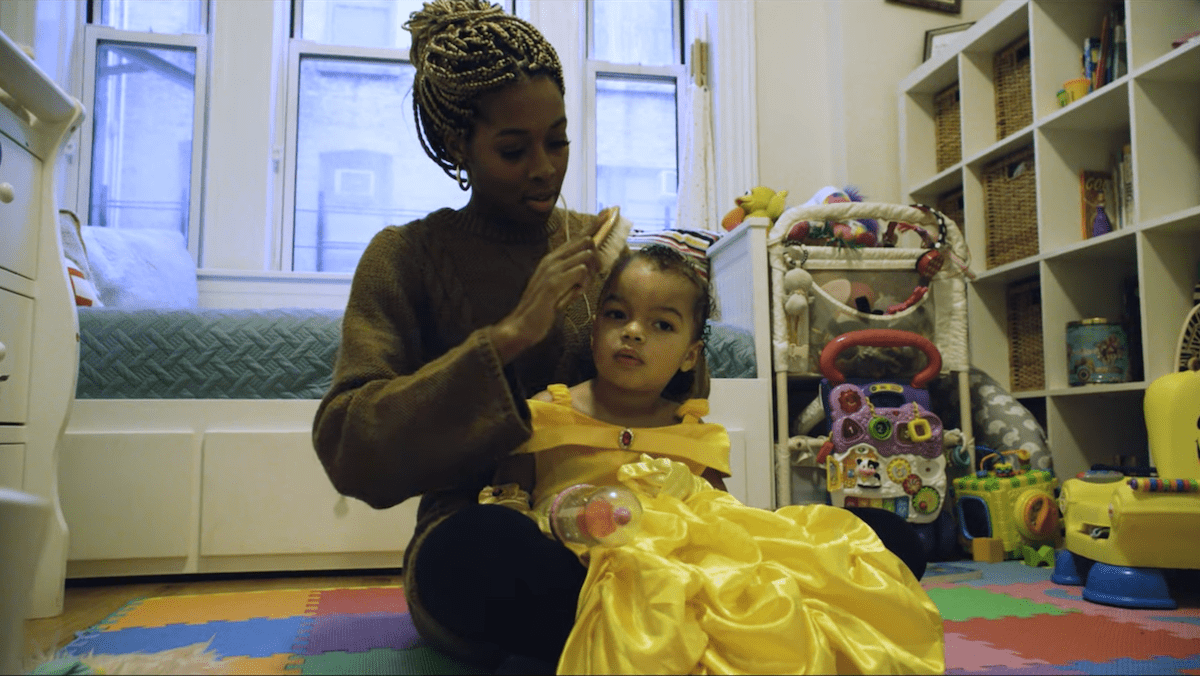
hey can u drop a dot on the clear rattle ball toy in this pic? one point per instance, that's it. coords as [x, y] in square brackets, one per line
[596, 515]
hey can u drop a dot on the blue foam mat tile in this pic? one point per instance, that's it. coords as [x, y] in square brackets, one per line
[1009, 572]
[1031, 670]
[1182, 619]
[1125, 665]
[259, 637]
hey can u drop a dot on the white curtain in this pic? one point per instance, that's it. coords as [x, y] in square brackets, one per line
[696, 205]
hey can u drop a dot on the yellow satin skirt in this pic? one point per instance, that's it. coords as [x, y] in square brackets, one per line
[712, 586]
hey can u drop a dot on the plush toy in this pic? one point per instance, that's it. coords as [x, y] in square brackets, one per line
[761, 201]
[851, 233]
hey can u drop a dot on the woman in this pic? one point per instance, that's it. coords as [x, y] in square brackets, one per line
[453, 321]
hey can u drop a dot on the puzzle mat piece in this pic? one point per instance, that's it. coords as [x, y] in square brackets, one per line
[1184, 623]
[959, 603]
[1001, 670]
[257, 637]
[271, 665]
[200, 608]
[360, 600]
[968, 656]
[357, 633]
[1009, 572]
[1091, 637]
[422, 660]
[1156, 665]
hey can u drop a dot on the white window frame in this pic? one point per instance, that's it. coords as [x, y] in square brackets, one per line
[297, 49]
[595, 68]
[92, 36]
[213, 235]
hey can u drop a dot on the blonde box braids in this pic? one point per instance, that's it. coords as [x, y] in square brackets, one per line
[463, 49]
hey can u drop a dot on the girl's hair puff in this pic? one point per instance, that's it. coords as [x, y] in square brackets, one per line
[462, 50]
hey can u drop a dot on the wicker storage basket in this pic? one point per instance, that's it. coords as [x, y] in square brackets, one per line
[1014, 107]
[951, 204]
[1026, 363]
[1010, 208]
[947, 120]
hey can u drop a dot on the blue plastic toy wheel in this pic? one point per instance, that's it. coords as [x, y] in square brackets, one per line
[1128, 587]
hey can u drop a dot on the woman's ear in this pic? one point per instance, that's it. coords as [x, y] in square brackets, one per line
[456, 148]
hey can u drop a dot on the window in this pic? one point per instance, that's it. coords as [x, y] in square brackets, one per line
[354, 163]
[142, 153]
[634, 70]
[337, 148]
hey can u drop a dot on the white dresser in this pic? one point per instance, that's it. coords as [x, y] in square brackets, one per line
[39, 347]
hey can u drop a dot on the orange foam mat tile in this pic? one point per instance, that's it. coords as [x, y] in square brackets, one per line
[201, 608]
[275, 665]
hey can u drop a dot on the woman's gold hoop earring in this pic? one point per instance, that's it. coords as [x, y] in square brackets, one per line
[463, 182]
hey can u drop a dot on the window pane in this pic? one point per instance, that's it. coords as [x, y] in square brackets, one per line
[358, 23]
[142, 136]
[636, 155]
[152, 16]
[635, 32]
[359, 165]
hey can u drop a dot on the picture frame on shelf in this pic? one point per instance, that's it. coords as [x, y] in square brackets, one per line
[947, 6]
[938, 40]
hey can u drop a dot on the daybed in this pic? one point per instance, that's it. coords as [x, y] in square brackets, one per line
[188, 446]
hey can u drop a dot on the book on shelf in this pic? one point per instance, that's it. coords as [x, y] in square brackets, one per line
[1126, 185]
[1096, 188]
[1104, 56]
[1117, 215]
[1100, 75]
[1091, 54]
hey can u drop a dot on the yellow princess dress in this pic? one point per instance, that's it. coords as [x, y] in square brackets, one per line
[709, 585]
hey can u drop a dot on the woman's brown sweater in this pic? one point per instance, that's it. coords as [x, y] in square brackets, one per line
[420, 402]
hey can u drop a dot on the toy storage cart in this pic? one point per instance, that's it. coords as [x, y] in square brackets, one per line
[805, 317]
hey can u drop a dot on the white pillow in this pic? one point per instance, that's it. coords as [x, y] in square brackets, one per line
[83, 281]
[141, 268]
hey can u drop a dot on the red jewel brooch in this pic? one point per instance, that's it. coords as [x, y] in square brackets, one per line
[625, 438]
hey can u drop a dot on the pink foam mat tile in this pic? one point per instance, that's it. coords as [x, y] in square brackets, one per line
[1092, 637]
[970, 656]
[360, 600]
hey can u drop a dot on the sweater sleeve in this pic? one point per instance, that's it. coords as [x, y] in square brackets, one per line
[395, 424]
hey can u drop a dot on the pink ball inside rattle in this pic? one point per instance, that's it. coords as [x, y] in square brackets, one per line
[622, 516]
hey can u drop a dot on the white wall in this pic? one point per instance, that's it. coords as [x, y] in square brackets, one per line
[827, 76]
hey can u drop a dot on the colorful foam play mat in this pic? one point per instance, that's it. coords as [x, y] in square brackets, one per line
[1000, 618]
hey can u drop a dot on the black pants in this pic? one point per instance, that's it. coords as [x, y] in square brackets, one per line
[488, 574]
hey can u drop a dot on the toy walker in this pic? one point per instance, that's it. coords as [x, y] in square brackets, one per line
[1122, 532]
[885, 446]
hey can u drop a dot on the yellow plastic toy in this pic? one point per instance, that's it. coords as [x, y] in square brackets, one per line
[1013, 506]
[1121, 531]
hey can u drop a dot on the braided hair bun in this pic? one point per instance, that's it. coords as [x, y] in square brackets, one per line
[462, 50]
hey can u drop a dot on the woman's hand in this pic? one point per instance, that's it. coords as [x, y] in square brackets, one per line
[560, 278]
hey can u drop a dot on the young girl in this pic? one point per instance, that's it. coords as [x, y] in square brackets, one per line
[707, 584]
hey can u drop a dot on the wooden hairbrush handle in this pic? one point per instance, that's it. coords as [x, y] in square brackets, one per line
[606, 227]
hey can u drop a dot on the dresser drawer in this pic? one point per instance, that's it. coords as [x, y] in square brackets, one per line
[16, 330]
[20, 177]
